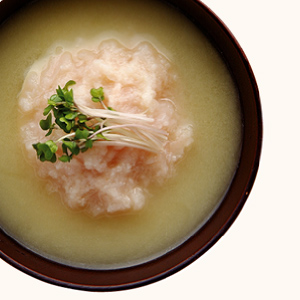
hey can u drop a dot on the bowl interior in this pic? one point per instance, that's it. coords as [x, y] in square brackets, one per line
[220, 221]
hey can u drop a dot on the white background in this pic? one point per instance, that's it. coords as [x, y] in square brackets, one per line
[258, 258]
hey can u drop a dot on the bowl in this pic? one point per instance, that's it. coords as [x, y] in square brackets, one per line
[218, 223]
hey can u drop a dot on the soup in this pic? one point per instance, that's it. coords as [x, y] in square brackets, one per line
[172, 211]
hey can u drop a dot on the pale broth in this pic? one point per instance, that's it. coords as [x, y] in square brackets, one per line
[38, 219]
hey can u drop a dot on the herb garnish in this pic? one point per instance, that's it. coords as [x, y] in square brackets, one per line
[83, 126]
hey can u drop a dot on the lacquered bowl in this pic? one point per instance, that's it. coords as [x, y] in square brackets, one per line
[220, 221]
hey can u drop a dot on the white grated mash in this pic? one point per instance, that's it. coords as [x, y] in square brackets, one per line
[107, 179]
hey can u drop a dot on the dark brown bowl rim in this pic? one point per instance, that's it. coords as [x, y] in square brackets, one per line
[235, 198]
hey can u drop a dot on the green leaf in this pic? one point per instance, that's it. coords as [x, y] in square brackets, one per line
[72, 115]
[64, 124]
[53, 158]
[96, 128]
[101, 136]
[64, 148]
[46, 124]
[89, 143]
[36, 147]
[52, 145]
[68, 95]
[60, 93]
[82, 134]
[61, 125]
[49, 132]
[63, 120]
[82, 118]
[97, 94]
[65, 158]
[42, 158]
[70, 82]
[68, 118]
[72, 146]
[46, 151]
[94, 99]
[70, 125]
[54, 100]
[56, 112]
[47, 110]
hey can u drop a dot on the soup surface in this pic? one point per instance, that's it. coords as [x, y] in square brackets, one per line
[172, 211]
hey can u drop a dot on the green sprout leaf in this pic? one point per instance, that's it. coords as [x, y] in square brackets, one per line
[97, 94]
[54, 100]
[89, 143]
[52, 146]
[82, 118]
[68, 96]
[47, 110]
[70, 82]
[65, 158]
[78, 127]
[72, 115]
[46, 124]
[101, 136]
[82, 134]
[60, 93]
[72, 146]
[46, 151]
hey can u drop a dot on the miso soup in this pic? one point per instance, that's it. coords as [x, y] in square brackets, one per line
[194, 84]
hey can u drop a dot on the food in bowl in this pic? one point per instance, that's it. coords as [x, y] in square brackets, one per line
[132, 137]
[115, 206]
